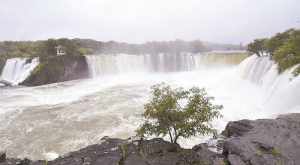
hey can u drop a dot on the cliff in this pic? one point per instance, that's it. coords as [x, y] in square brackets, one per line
[2, 63]
[57, 69]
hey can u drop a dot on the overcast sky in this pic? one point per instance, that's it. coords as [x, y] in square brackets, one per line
[136, 21]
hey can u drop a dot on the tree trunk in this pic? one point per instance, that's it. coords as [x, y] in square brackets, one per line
[170, 134]
[176, 135]
[176, 138]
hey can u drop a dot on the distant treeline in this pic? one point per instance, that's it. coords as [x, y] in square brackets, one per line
[283, 48]
[46, 48]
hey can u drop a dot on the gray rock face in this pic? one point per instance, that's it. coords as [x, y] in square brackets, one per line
[264, 141]
[122, 152]
[235, 160]
[2, 64]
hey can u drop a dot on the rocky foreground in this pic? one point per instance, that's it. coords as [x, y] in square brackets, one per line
[247, 142]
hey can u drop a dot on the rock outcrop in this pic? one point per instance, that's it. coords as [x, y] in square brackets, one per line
[124, 152]
[58, 69]
[263, 141]
[258, 142]
[2, 64]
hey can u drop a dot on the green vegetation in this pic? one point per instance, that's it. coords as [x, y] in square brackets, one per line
[257, 47]
[178, 113]
[46, 48]
[275, 152]
[284, 49]
[58, 69]
[42, 49]
[225, 162]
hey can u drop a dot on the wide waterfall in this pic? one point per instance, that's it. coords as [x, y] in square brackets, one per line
[16, 70]
[105, 64]
[67, 116]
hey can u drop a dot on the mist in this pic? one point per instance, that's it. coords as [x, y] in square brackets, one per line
[138, 21]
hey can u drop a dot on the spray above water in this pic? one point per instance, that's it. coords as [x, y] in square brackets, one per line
[80, 113]
[281, 91]
[105, 64]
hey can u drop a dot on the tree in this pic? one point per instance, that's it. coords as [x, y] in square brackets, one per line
[278, 40]
[257, 47]
[288, 54]
[70, 47]
[178, 113]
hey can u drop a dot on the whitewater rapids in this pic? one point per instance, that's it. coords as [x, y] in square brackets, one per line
[67, 116]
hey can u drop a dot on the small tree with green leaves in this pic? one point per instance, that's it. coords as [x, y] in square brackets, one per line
[178, 113]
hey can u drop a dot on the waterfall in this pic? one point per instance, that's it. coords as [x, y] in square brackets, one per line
[254, 68]
[282, 91]
[16, 70]
[107, 64]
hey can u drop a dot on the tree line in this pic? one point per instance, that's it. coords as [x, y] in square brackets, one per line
[46, 48]
[283, 48]
[42, 49]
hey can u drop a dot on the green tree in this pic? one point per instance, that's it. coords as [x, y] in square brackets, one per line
[288, 55]
[257, 47]
[278, 40]
[70, 46]
[178, 113]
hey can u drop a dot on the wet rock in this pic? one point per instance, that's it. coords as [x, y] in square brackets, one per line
[158, 145]
[237, 128]
[235, 160]
[264, 141]
[2, 156]
[219, 161]
[204, 153]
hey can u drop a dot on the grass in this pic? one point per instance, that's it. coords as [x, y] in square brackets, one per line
[275, 152]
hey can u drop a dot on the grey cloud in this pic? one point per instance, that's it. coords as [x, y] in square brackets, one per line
[229, 21]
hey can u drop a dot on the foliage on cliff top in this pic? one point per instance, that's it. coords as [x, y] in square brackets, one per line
[178, 113]
[284, 49]
[42, 49]
[45, 48]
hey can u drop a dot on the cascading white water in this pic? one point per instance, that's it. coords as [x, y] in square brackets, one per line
[16, 70]
[254, 68]
[105, 64]
[79, 113]
[282, 91]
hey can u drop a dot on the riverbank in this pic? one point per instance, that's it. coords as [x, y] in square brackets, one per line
[247, 142]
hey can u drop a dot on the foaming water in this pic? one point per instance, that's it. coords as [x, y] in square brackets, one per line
[103, 64]
[281, 92]
[16, 70]
[67, 116]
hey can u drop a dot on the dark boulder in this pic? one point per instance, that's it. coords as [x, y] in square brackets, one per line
[264, 141]
[237, 128]
[2, 64]
[2, 157]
